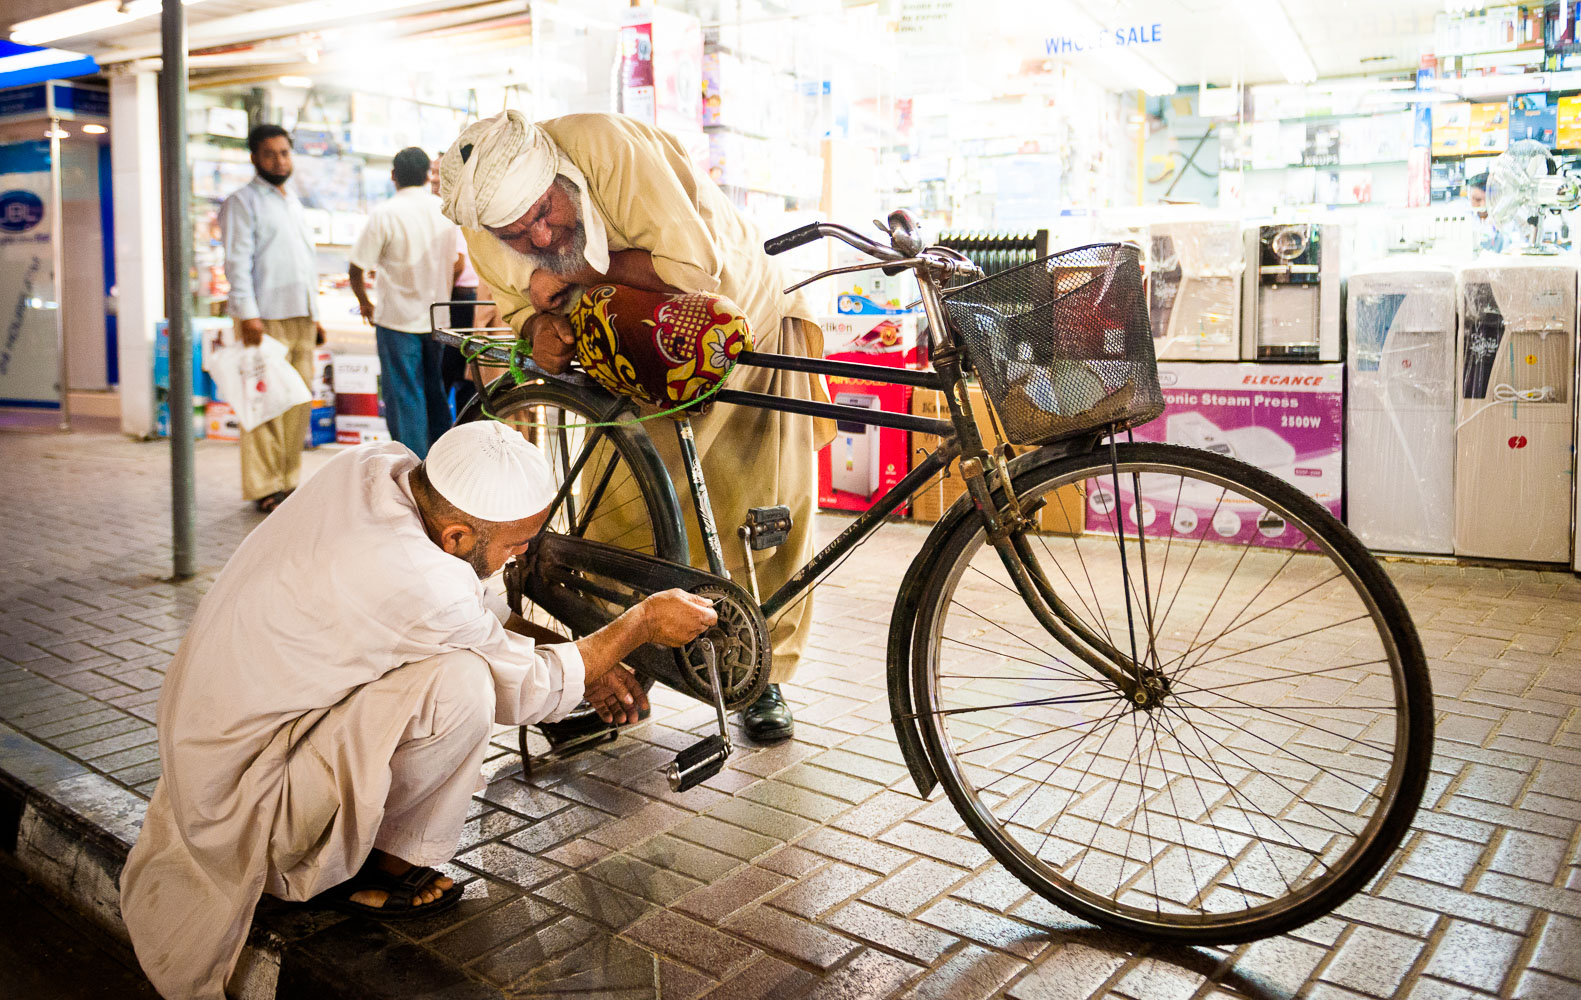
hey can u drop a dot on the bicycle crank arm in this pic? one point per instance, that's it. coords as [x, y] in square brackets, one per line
[705, 758]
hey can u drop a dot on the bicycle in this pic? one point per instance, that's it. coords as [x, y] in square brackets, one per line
[1150, 720]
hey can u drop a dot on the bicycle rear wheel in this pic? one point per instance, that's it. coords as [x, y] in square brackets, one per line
[1285, 743]
[621, 494]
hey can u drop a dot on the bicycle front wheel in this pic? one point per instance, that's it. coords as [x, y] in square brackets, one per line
[1287, 727]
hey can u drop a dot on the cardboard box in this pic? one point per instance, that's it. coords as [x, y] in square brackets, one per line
[863, 462]
[1285, 419]
[322, 384]
[221, 423]
[891, 340]
[320, 426]
[162, 417]
[360, 430]
[1062, 514]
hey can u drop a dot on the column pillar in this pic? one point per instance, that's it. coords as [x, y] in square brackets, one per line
[139, 251]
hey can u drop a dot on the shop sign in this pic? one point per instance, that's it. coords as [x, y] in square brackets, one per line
[29, 333]
[82, 102]
[20, 211]
[19, 102]
[1119, 37]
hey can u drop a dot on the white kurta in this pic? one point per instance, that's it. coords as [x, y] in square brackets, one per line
[335, 590]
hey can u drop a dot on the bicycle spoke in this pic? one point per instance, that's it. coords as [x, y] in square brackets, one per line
[1018, 638]
[1249, 621]
[1292, 721]
[1266, 680]
[1292, 753]
[1071, 674]
[1272, 777]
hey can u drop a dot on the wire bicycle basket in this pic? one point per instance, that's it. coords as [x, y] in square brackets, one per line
[1062, 345]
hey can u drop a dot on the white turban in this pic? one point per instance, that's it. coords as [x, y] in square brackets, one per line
[498, 167]
[490, 471]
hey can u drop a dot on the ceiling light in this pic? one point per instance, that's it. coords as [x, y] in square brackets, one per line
[57, 133]
[95, 129]
[1272, 24]
[85, 19]
[295, 82]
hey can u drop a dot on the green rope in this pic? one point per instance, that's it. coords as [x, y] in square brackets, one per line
[470, 343]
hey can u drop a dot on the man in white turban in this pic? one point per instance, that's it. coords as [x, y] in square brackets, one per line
[551, 207]
[323, 724]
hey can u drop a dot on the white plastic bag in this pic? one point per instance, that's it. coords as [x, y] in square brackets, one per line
[258, 382]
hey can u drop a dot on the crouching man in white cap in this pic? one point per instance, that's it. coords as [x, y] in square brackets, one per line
[323, 724]
[552, 206]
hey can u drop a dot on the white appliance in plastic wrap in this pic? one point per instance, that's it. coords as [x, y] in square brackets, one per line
[1514, 431]
[1194, 290]
[1400, 407]
[854, 456]
[1290, 308]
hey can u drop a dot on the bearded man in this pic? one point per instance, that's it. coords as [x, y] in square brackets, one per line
[323, 725]
[552, 207]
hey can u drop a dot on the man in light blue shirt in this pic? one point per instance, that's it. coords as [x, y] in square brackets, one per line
[272, 269]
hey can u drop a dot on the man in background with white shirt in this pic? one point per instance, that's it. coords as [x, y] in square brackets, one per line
[273, 273]
[413, 247]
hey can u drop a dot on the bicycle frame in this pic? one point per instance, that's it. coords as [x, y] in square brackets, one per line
[958, 437]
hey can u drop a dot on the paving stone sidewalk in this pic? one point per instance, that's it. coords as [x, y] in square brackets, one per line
[811, 868]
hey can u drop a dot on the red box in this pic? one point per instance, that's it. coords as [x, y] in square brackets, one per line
[863, 462]
[890, 340]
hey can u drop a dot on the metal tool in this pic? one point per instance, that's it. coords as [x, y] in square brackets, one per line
[705, 758]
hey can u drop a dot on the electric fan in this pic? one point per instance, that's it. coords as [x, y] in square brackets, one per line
[1525, 184]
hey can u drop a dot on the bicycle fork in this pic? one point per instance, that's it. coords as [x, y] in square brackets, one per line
[1007, 533]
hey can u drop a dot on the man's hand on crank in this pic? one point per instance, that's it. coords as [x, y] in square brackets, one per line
[675, 617]
[668, 618]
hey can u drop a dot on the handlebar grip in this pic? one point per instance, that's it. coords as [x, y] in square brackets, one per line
[791, 240]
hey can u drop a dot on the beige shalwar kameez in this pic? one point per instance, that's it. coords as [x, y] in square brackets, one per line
[334, 694]
[642, 182]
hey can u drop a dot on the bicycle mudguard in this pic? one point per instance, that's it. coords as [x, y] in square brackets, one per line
[903, 619]
[576, 580]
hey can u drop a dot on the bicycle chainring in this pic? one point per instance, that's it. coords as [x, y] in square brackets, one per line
[740, 639]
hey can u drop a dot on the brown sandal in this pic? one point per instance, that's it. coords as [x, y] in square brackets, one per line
[266, 505]
[399, 891]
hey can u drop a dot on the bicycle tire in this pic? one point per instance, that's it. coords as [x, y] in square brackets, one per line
[1193, 920]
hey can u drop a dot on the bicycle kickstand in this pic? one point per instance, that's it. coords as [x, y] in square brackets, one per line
[705, 758]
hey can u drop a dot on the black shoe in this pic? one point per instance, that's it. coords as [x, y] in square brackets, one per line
[768, 719]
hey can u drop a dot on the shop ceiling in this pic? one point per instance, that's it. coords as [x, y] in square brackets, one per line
[1197, 41]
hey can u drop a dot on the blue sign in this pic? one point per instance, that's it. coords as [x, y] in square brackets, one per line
[20, 211]
[22, 101]
[1104, 38]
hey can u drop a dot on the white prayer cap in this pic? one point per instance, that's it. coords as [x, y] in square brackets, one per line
[487, 469]
[496, 170]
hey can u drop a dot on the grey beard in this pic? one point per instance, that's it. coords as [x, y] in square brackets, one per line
[569, 259]
[572, 257]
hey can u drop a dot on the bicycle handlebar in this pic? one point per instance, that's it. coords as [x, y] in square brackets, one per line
[907, 251]
[791, 240]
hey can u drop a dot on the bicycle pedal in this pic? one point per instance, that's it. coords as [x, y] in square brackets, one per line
[766, 527]
[697, 763]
